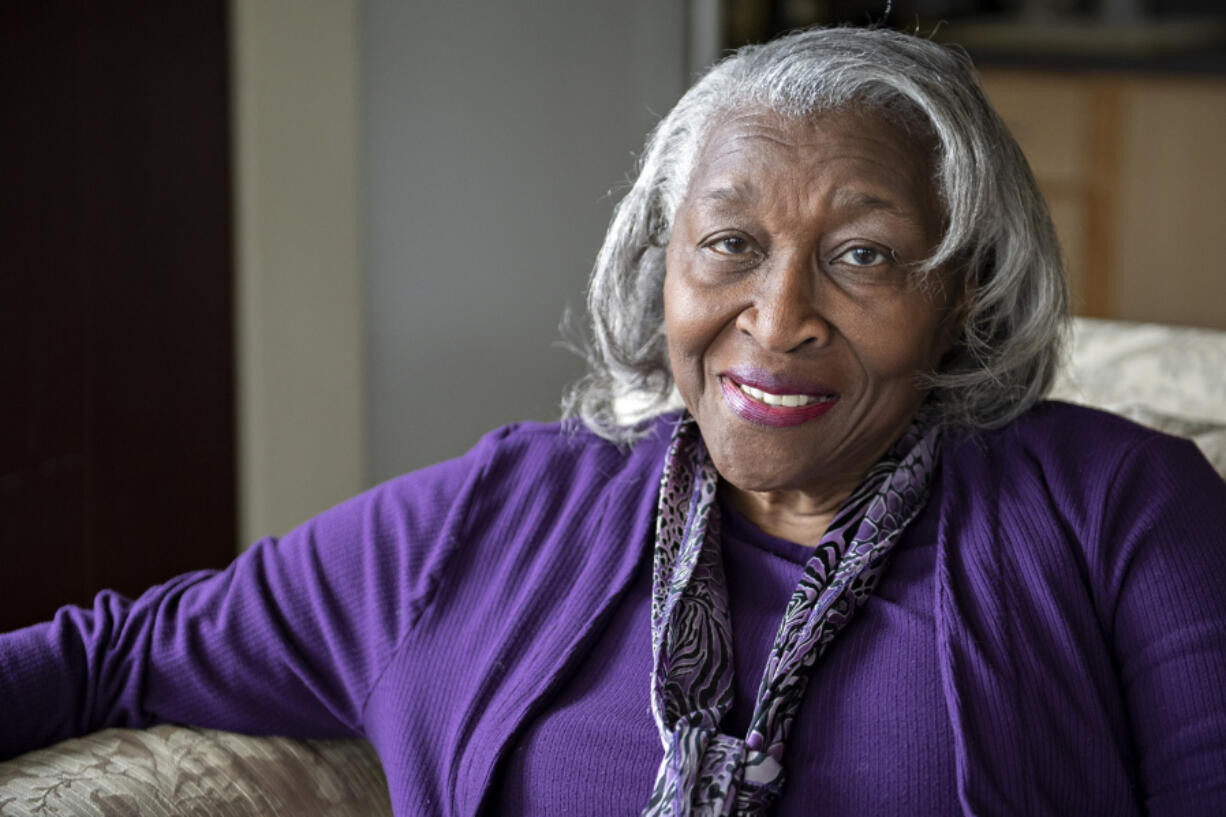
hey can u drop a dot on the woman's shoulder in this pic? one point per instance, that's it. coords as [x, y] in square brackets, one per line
[1054, 435]
[572, 435]
[518, 465]
[547, 462]
[1055, 419]
[1078, 474]
[1082, 468]
[569, 445]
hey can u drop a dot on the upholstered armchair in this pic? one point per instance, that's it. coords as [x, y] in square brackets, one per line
[1173, 379]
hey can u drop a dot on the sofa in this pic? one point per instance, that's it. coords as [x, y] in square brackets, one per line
[1171, 378]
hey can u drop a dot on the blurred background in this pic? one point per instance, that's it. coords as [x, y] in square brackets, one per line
[262, 254]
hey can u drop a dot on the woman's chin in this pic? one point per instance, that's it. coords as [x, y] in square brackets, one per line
[753, 477]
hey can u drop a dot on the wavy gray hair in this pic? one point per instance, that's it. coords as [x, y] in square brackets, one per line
[999, 248]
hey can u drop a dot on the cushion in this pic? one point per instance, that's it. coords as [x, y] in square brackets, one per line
[1172, 370]
[1171, 378]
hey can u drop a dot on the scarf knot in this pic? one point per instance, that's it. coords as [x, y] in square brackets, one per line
[705, 773]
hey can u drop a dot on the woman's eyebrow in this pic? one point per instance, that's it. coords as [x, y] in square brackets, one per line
[736, 193]
[853, 199]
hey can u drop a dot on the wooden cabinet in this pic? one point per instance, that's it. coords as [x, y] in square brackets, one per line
[1134, 170]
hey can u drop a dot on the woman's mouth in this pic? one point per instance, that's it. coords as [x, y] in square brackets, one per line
[788, 400]
[770, 408]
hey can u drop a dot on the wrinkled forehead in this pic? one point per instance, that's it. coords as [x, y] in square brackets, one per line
[878, 118]
[850, 154]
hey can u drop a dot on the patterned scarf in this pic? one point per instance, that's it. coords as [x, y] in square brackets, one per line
[705, 772]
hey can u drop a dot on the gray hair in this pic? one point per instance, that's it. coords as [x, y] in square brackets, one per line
[999, 248]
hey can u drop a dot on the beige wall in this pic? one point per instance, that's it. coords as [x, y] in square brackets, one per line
[298, 286]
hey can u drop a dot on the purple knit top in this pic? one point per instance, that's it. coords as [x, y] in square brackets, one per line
[898, 743]
[1049, 639]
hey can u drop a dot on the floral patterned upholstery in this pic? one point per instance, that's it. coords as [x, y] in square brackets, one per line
[1168, 377]
[175, 770]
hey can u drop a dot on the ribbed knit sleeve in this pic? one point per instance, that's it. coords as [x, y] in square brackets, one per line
[288, 640]
[1165, 526]
[1081, 596]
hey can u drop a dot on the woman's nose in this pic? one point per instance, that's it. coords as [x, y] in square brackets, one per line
[784, 313]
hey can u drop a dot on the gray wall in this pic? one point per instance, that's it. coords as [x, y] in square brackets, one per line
[490, 137]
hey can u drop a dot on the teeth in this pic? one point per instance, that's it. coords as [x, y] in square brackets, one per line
[785, 400]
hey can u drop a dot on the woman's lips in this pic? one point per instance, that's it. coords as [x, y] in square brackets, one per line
[770, 402]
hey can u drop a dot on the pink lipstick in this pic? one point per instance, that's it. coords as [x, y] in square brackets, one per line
[770, 400]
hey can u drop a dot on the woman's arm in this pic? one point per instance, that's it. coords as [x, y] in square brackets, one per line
[1167, 519]
[288, 640]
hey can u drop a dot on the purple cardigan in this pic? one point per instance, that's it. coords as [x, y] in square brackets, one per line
[1078, 601]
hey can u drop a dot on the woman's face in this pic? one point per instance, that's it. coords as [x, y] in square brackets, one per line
[795, 333]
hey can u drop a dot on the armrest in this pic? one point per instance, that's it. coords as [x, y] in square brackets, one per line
[175, 770]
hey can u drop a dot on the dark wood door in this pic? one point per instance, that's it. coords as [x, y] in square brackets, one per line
[117, 453]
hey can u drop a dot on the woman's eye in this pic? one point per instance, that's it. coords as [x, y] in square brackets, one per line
[730, 245]
[863, 257]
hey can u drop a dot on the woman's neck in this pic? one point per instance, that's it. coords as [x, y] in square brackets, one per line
[796, 516]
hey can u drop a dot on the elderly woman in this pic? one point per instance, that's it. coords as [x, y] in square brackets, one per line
[865, 571]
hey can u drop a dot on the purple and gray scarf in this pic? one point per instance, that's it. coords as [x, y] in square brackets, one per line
[705, 772]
